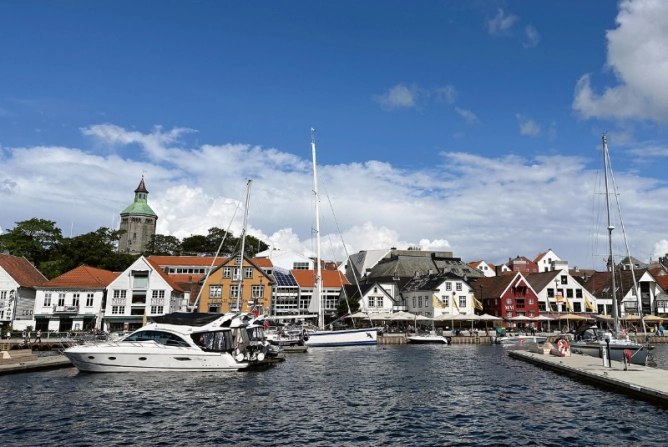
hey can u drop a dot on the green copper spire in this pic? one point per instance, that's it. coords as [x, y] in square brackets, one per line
[140, 205]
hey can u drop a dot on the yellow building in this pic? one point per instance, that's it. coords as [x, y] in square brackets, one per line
[231, 284]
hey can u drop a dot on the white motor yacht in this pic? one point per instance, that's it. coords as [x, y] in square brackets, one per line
[175, 342]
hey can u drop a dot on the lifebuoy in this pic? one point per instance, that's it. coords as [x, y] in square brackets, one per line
[627, 355]
[563, 347]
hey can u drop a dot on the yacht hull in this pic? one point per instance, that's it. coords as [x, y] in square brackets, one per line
[352, 337]
[427, 339]
[594, 349]
[117, 358]
[521, 339]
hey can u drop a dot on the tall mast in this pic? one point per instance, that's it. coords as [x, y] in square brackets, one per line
[317, 290]
[243, 246]
[611, 260]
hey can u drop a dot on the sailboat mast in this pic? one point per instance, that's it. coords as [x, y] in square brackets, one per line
[243, 245]
[317, 290]
[611, 260]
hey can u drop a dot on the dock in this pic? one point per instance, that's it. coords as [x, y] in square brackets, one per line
[31, 363]
[639, 381]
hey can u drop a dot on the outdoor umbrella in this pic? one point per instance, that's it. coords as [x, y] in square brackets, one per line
[571, 317]
[357, 315]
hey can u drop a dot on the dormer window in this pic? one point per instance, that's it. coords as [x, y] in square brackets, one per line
[237, 260]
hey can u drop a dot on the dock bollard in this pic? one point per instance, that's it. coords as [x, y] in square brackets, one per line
[604, 354]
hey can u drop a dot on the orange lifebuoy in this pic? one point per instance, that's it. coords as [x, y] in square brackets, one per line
[627, 355]
[563, 347]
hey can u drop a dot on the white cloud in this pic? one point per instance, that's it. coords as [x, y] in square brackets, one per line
[501, 23]
[468, 116]
[638, 57]
[660, 249]
[465, 203]
[447, 93]
[398, 97]
[532, 37]
[527, 126]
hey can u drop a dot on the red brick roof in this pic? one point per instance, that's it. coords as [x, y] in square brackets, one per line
[83, 277]
[263, 262]
[330, 278]
[22, 271]
[663, 282]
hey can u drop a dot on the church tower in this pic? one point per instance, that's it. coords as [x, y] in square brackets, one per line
[139, 221]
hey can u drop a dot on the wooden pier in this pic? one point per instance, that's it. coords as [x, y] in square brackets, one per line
[639, 381]
[29, 363]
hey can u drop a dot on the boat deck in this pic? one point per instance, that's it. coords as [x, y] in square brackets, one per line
[640, 381]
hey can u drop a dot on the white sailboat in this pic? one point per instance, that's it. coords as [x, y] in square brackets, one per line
[322, 337]
[595, 341]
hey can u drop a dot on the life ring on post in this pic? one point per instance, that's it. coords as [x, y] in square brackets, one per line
[627, 355]
[563, 347]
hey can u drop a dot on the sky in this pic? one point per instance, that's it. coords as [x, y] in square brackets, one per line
[465, 126]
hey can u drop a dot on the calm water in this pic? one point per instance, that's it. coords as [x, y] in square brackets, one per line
[377, 396]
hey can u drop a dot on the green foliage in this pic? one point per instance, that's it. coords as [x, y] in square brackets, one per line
[216, 236]
[36, 239]
[193, 245]
[344, 303]
[161, 245]
[254, 246]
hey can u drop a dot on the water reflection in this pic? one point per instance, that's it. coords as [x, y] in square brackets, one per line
[382, 396]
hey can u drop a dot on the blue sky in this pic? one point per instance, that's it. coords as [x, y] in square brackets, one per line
[468, 126]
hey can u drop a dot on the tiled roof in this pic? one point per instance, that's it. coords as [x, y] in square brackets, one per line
[539, 257]
[407, 266]
[22, 271]
[474, 264]
[165, 276]
[539, 281]
[330, 278]
[186, 278]
[186, 261]
[263, 262]
[83, 277]
[596, 283]
[429, 282]
[493, 286]
[663, 282]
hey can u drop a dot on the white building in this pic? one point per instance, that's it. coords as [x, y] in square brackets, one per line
[73, 301]
[558, 291]
[18, 279]
[440, 294]
[141, 291]
[287, 260]
[375, 299]
[549, 261]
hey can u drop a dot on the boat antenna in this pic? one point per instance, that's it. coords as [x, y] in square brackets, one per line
[316, 299]
[240, 278]
[611, 261]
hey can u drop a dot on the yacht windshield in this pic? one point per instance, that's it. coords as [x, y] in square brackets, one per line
[220, 341]
[164, 338]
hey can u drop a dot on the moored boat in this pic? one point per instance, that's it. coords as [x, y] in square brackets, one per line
[427, 339]
[175, 342]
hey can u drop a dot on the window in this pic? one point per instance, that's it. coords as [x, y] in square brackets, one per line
[550, 293]
[530, 301]
[578, 293]
[531, 313]
[248, 272]
[75, 299]
[237, 260]
[577, 307]
[47, 299]
[375, 290]
[216, 291]
[61, 299]
[158, 298]
[258, 291]
[300, 266]
[462, 301]
[140, 280]
[519, 303]
[459, 287]
[138, 297]
[509, 301]
[419, 301]
[3, 295]
[448, 286]
[569, 293]
[564, 279]
[157, 310]
[542, 307]
[227, 272]
[446, 300]
[117, 310]
[372, 301]
[234, 291]
[89, 300]
[118, 298]
[414, 300]
[379, 301]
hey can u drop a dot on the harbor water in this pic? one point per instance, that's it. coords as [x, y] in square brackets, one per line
[425, 395]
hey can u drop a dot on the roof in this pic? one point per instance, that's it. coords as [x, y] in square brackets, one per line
[540, 281]
[539, 257]
[493, 286]
[83, 277]
[22, 271]
[140, 205]
[142, 186]
[663, 282]
[164, 275]
[430, 282]
[330, 278]
[407, 266]
[596, 283]
[186, 261]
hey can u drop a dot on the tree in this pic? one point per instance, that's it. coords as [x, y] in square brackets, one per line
[345, 303]
[95, 249]
[216, 236]
[254, 246]
[195, 244]
[36, 239]
[161, 245]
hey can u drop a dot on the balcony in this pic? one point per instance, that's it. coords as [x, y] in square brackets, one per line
[66, 310]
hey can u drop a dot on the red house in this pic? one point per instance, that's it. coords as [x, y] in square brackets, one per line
[523, 265]
[507, 296]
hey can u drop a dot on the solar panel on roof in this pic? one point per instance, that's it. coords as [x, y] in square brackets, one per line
[284, 279]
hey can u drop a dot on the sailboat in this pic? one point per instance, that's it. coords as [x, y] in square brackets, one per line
[322, 337]
[594, 341]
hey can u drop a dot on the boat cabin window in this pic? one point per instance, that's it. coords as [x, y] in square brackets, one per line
[220, 341]
[164, 338]
[256, 333]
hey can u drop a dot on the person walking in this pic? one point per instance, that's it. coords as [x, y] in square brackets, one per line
[38, 336]
[661, 330]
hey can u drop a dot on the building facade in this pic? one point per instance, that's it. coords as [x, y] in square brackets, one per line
[18, 279]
